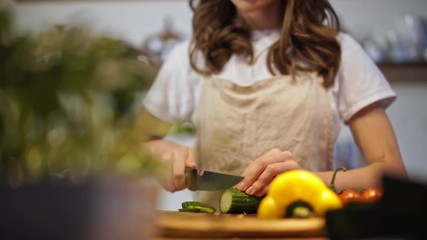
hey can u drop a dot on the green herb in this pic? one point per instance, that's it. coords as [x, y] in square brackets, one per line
[67, 99]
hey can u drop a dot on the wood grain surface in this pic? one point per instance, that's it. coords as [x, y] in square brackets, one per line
[174, 224]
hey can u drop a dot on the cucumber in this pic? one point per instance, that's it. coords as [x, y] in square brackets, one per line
[236, 201]
[195, 206]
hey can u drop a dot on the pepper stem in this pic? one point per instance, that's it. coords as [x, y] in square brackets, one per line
[332, 184]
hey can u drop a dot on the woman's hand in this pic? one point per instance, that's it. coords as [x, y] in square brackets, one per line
[176, 158]
[260, 173]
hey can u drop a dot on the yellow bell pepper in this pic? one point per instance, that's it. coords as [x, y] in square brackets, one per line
[297, 185]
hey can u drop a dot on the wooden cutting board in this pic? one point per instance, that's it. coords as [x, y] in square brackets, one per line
[174, 224]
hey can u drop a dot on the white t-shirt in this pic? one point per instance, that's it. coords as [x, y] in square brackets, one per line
[174, 94]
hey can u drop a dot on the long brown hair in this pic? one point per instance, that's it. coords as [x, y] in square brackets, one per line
[308, 38]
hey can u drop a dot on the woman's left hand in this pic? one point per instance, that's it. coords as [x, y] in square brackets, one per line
[259, 174]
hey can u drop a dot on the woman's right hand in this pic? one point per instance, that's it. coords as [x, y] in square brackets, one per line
[176, 158]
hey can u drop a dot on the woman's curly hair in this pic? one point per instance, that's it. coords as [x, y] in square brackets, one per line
[308, 39]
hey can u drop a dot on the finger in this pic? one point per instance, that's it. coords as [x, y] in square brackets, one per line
[273, 151]
[255, 169]
[266, 177]
[179, 169]
[273, 156]
[270, 172]
[167, 185]
[262, 192]
[165, 179]
[190, 161]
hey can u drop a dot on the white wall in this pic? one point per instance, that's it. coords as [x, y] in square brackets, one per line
[135, 20]
[129, 20]
[409, 118]
[376, 16]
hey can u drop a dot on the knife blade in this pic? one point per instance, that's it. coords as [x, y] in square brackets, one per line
[196, 180]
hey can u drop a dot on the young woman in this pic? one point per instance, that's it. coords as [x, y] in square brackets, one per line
[267, 84]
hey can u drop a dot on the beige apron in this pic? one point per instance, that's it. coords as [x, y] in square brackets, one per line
[237, 124]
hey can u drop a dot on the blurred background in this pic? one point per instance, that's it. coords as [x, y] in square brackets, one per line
[393, 33]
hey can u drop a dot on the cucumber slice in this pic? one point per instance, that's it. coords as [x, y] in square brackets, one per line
[189, 210]
[205, 209]
[195, 206]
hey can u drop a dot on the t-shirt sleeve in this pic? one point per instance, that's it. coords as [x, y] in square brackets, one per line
[359, 80]
[170, 98]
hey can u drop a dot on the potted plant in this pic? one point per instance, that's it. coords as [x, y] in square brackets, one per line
[68, 152]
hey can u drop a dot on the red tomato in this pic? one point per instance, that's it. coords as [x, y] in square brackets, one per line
[372, 194]
[350, 195]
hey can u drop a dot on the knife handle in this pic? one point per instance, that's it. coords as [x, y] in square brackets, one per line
[191, 177]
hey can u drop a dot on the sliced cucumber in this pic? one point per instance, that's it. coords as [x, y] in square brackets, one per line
[195, 206]
[236, 201]
[192, 209]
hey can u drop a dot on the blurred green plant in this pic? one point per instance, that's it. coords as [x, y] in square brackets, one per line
[67, 99]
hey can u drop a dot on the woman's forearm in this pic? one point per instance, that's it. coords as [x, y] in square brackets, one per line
[374, 135]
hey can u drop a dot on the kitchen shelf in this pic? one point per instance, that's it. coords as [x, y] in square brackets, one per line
[404, 72]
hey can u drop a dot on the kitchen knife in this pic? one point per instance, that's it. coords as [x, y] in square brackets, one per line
[196, 180]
